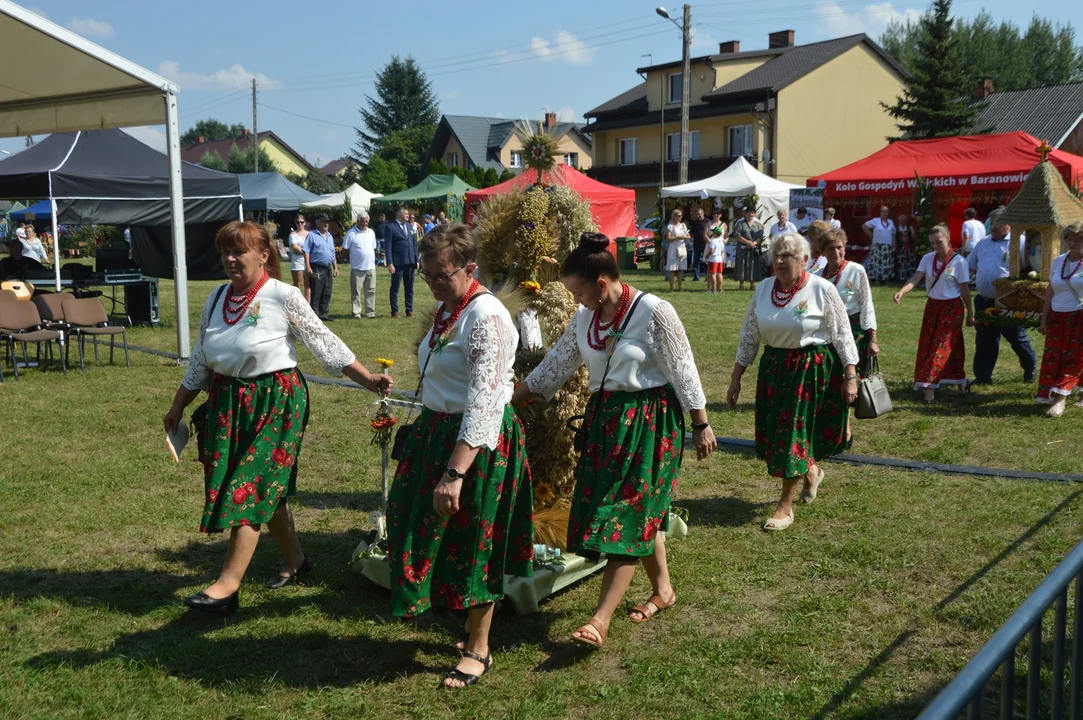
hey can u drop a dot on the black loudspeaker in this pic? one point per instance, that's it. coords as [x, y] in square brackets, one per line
[141, 301]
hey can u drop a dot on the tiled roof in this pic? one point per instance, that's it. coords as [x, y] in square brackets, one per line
[478, 135]
[194, 153]
[336, 166]
[1048, 113]
[634, 99]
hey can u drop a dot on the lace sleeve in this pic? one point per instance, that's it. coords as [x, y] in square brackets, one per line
[487, 354]
[669, 343]
[750, 336]
[558, 364]
[309, 329]
[837, 324]
[198, 375]
[864, 301]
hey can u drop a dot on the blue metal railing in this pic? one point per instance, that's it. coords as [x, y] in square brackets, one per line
[965, 690]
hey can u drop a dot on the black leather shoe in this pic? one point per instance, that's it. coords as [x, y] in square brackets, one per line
[279, 581]
[223, 607]
[1028, 377]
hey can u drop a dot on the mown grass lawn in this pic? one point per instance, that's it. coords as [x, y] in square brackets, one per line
[879, 593]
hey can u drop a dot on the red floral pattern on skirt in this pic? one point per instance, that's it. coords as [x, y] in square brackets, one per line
[1062, 361]
[941, 349]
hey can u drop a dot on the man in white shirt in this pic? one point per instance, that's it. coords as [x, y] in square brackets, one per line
[360, 243]
[802, 220]
[973, 231]
[829, 218]
[990, 261]
[783, 226]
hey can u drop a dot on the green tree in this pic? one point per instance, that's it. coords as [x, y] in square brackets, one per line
[384, 176]
[404, 100]
[437, 167]
[240, 162]
[317, 182]
[937, 102]
[213, 161]
[506, 175]
[210, 130]
[407, 148]
[491, 178]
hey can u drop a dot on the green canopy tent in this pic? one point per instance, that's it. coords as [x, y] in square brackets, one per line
[434, 193]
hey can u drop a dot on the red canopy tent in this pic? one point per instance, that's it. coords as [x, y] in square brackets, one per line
[613, 208]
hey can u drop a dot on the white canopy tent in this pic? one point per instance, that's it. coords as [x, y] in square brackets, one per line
[360, 198]
[52, 81]
[740, 179]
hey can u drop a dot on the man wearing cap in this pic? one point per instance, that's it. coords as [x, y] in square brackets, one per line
[360, 243]
[321, 266]
[400, 245]
[429, 224]
[18, 267]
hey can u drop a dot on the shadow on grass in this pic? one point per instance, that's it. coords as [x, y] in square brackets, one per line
[362, 500]
[722, 511]
[906, 708]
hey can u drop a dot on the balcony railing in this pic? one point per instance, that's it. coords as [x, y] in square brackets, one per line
[647, 174]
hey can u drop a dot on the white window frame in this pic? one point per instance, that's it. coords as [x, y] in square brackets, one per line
[453, 160]
[673, 147]
[516, 159]
[750, 143]
[572, 159]
[670, 100]
[634, 145]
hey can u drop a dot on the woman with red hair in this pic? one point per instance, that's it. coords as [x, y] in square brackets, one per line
[257, 407]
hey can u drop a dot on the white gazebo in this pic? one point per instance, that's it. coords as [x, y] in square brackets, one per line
[52, 80]
[360, 198]
[740, 179]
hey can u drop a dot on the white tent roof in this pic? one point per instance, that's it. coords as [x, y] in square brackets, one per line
[738, 180]
[360, 198]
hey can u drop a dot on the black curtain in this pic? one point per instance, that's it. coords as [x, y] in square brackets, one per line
[152, 250]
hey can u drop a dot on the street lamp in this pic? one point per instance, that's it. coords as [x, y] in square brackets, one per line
[686, 73]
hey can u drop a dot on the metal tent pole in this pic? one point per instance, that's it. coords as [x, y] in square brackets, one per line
[176, 208]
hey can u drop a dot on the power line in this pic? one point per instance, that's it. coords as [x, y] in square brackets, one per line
[304, 117]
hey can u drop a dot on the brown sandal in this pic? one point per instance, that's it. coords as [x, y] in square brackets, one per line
[592, 629]
[651, 608]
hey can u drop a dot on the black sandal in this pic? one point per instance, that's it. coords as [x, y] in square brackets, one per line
[466, 678]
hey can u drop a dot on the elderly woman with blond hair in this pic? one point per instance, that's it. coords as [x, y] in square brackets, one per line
[257, 406]
[679, 249]
[807, 378]
[1062, 325]
[850, 279]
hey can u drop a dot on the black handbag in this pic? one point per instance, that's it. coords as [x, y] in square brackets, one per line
[579, 432]
[398, 446]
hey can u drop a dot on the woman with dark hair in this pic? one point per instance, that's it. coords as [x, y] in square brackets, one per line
[257, 406]
[643, 378]
[460, 510]
[297, 255]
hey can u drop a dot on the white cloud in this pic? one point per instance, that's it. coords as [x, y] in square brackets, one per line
[91, 28]
[565, 47]
[872, 19]
[450, 95]
[234, 77]
[702, 41]
[565, 114]
[150, 135]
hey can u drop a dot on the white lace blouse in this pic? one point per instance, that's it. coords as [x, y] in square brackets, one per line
[653, 352]
[248, 349]
[472, 374]
[815, 316]
[853, 286]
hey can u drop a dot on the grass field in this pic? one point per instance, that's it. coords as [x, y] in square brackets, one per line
[865, 608]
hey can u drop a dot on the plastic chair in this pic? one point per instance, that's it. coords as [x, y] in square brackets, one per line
[86, 317]
[20, 323]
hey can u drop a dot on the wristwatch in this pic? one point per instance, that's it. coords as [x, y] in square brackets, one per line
[850, 376]
[454, 474]
[701, 426]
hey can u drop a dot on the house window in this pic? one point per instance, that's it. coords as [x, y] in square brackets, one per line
[673, 146]
[516, 159]
[740, 140]
[675, 81]
[572, 159]
[628, 148]
[453, 160]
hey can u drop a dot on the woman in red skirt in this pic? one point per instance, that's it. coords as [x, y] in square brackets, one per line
[941, 356]
[1062, 325]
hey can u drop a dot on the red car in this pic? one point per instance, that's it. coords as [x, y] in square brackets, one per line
[645, 235]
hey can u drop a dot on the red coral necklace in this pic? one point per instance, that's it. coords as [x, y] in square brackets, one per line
[1066, 276]
[598, 331]
[781, 298]
[838, 272]
[235, 306]
[937, 273]
[439, 327]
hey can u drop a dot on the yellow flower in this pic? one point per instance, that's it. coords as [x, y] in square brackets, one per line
[530, 286]
[385, 363]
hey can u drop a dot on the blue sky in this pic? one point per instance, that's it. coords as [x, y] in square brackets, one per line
[508, 59]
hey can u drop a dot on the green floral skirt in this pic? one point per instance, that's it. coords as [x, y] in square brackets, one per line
[458, 562]
[800, 411]
[861, 339]
[250, 444]
[627, 472]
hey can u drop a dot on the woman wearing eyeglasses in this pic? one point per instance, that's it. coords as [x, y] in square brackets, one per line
[807, 378]
[460, 510]
[297, 255]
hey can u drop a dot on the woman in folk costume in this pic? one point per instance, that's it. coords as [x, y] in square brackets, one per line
[807, 378]
[941, 358]
[1062, 325]
[257, 406]
[850, 280]
[643, 378]
[460, 510]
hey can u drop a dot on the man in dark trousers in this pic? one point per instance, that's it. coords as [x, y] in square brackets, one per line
[401, 249]
[699, 229]
[321, 265]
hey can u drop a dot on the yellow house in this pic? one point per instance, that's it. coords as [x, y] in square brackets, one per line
[469, 142]
[286, 160]
[793, 111]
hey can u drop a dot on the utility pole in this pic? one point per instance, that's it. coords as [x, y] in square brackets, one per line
[254, 143]
[686, 78]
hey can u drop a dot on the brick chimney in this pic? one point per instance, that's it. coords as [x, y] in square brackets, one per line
[984, 88]
[201, 139]
[550, 119]
[780, 39]
[729, 47]
[247, 132]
